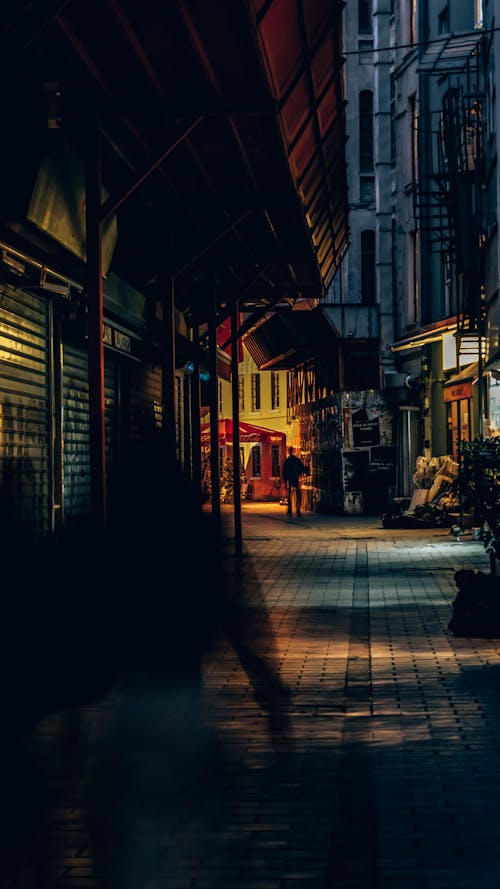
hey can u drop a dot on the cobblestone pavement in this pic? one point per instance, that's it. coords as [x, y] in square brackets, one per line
[392, 776]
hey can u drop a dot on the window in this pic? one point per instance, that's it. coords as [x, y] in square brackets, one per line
[366, 131]
[447, 284]
[159, 414]
[364, 16]
[478, 14]
[366, 190]
[444, 21]
[413, 138]
[413, 22]
[368, 281]
[490, 107]
[408, 14]
[241, 392]
[394, 288]
[275, 390]
[256, 462]
[393, 117]
[412, 273]
[275, 461]
[365, 48]
[255, 392]
[361, 365]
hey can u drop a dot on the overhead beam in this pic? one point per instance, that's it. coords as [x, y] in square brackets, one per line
[113, 203]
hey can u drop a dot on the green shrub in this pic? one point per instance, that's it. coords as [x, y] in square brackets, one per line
[480, 479]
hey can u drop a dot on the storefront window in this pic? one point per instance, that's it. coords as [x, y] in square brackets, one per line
[275, 461]
[494, 406]
[256, 462]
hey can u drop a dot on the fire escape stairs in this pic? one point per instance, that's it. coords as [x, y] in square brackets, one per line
[447, 206]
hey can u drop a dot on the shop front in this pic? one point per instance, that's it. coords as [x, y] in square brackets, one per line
[457, 396]
[262, 452]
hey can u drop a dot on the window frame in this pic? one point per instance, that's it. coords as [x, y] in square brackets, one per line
[256, 461]
[368, 267]
[256, 400]
[275, 390]
[366, 146]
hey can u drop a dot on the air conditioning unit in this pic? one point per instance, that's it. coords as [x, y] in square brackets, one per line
[393, 380]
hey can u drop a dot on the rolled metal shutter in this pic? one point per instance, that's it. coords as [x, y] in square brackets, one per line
[76, 432]
[25, 492]
[112, 428]
[145, 408]
[76, 452]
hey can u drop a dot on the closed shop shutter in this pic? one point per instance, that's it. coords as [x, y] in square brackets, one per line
[145, 409]
[112, 400]
[24, 413]
[76, 453]
[76, 431]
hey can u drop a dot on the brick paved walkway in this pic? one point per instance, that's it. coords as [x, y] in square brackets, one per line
[393, 777]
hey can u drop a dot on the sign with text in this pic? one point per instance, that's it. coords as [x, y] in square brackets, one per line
[116, 339]
[383, 462]
[457, 392]
[365, 428]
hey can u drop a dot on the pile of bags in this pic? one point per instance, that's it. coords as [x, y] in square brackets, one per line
[435, 493]
[436, 475]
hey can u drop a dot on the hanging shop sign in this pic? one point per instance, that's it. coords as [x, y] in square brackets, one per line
[116, 339]
[458, 391]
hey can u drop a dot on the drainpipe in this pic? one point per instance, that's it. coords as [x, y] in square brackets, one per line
[168, 394]
[194, 384]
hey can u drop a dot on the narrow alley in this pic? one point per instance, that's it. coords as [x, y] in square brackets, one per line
[389, 777]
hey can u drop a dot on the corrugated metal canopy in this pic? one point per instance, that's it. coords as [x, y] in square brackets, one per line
[287, 340]
[247, 433]
[468, 373]
[451, 53]
[223, 150]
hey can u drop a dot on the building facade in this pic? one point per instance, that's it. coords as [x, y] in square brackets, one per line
[265, 432]
[415, 299]
[445, 209]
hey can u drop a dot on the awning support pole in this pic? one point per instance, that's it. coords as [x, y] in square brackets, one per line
[214, 414]
[95, 323]
[195, 418]
[168, 394]
[235, 391]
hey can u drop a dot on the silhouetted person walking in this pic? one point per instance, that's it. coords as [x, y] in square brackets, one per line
[293, 468]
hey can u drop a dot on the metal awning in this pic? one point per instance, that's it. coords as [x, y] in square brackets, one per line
[451, 53]
[247, 433]
[459, 385]
[288, 340]
[429, 334]
[223, 141]
[467, 374]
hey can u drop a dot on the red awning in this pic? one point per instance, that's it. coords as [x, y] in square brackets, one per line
[248, 433]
